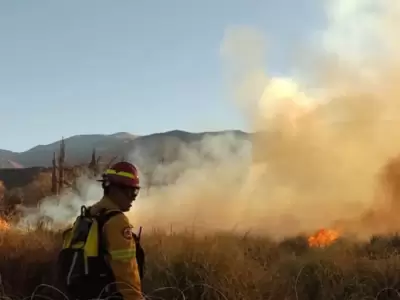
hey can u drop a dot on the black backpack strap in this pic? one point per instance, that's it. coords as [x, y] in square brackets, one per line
[106, 215]
[102, 218]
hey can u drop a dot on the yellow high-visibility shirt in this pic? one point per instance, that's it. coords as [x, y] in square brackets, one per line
[121, 246]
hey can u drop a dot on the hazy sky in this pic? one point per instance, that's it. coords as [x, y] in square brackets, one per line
[94, 66]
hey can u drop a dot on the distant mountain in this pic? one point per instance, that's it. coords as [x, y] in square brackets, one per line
[6, 154]
[79, 148]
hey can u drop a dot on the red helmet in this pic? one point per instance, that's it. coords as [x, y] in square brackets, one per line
[122, 173]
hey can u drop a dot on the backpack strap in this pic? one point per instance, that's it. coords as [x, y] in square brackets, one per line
[102, 218]
[106, 215]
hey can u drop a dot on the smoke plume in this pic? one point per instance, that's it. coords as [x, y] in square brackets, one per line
[318, 149]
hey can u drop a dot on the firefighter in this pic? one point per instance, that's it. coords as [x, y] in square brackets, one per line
[121, 187]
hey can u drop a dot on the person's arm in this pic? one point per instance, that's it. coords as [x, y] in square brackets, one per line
[122, 250]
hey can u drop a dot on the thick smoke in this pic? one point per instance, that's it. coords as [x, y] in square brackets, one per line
[318, 151]
[200, 187]
[322, 157]
[201, 166]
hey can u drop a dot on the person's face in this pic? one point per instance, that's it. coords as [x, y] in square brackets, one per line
[124, 196]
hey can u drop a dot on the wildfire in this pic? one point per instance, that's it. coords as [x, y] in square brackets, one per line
[4, 225]
[323, 238]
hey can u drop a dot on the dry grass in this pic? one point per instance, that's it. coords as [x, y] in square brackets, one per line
[223, 266]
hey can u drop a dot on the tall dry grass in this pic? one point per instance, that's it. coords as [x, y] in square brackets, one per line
[221, 266]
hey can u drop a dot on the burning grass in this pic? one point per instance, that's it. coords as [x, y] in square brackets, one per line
[323, 238]
[222, 266]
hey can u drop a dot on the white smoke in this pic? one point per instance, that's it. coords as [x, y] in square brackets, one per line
[204, 181]
[62, 209]
[167, 200]
[354, 28]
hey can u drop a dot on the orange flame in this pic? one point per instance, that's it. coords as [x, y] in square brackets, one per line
[323, 238]
[4, 225]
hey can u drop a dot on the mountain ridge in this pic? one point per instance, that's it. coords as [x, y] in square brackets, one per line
[79, 147]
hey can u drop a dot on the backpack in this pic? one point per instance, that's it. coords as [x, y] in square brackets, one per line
[82, 266]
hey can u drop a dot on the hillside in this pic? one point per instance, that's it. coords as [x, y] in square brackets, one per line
[9, 164]
[6, 159]
[79, 147]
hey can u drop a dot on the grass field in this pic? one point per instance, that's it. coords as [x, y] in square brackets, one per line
[183, 266]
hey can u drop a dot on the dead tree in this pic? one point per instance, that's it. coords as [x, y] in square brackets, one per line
[61, 160]
[111, 162]
[93, 165]
[54, 187]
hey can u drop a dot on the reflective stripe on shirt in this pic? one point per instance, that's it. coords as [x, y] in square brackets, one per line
[125, 254]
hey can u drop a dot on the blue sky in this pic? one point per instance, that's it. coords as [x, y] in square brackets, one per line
[78, 67]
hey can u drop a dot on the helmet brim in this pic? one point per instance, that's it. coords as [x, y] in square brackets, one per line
[120, 181]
